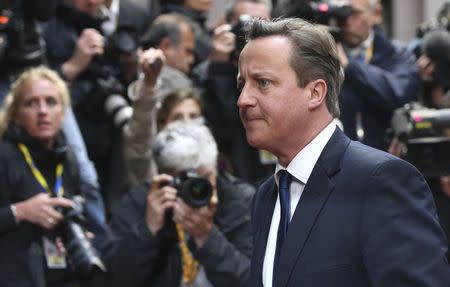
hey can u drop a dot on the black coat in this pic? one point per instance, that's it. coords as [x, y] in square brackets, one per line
[141, 259]
[22, 260]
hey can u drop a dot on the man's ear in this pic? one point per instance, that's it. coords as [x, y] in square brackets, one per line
[165, 43]
[318, 91]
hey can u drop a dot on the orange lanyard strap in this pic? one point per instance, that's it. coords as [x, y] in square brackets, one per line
[189, 264]
[369, 53]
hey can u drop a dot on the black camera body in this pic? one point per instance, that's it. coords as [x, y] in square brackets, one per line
[238, 30]
[109, 90]
[331, 16]
[21, 44]
[425, 133]
[83, 257]
[195, 190]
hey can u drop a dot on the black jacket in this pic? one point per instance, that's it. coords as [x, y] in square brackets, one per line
[22, 260]
[141, 259]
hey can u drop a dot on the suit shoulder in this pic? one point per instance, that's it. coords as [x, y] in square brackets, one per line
[363, 157]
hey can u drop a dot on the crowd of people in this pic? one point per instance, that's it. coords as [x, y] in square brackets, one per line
[177, 137]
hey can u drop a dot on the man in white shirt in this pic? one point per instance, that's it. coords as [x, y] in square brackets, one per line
[356, 216]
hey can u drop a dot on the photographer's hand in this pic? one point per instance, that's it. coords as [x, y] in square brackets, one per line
[197, 222]
[159, 200]
[150, 63]
[89, 44]
[223, 43]
[40, 210]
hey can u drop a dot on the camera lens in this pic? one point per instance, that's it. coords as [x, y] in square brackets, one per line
[200, 189]
[83, 257]
[193, 189]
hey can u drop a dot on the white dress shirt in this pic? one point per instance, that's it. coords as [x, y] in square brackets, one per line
[300, 168]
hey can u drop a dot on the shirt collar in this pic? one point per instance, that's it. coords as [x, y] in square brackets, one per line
[363, 46]
[303, 163]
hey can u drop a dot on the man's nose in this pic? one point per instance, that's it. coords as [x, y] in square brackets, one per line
[244, 98]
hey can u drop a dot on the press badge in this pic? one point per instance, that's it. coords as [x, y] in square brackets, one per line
[55, 259]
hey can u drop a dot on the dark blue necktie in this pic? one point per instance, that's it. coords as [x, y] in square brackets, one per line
[285, 211]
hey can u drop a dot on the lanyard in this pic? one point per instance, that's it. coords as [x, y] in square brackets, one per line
[58, 189]
[369, 53]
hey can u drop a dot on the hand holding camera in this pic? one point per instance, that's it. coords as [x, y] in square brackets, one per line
[160, 198]
[189, 197]
[84, 258]
[40, 210]
[89, 44]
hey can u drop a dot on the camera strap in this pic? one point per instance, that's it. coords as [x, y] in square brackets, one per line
[54, 257]
[58, 190]
[189, 266]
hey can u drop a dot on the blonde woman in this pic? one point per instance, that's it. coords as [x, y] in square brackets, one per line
[37, 175]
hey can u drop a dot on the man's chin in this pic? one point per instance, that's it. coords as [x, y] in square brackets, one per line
[254, 141]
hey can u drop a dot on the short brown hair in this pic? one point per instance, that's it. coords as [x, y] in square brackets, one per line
[313, 54]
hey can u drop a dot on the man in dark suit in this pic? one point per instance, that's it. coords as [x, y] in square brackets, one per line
[379, 75]
[346, 214]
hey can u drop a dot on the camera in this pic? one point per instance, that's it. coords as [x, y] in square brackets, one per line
[21, 44]
[192, 188]
[425, 133]
[110, 84]
[238, 30]
[331, 15]
[83, 257]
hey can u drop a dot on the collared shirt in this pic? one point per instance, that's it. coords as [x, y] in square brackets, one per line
[363, 48]
[300, 168]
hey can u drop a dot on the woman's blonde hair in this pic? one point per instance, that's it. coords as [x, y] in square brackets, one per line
[11, 103]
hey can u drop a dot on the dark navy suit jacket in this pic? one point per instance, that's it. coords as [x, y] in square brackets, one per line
[365, 218]
[372, 91]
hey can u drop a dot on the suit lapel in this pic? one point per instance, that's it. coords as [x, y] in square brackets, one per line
[316, 193]
[265, 209]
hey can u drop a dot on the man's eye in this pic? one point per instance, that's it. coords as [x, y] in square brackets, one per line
[263, 83]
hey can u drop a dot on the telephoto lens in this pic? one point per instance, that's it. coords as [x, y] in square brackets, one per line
[83, 257]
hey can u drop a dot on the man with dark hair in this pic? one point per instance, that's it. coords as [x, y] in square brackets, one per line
[379, 76]
[336, 212]
[218, 78]
[169, 41]
[174, 34]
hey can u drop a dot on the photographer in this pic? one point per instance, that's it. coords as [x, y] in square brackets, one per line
[83, 56]
[38, 174]
[165, 64]
[25, 47]
[21, 43]
[429, 151]
[379, 76]
[163, 241]
[218, 79]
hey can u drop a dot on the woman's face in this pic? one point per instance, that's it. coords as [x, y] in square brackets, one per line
[40, 111]
[188, 109]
